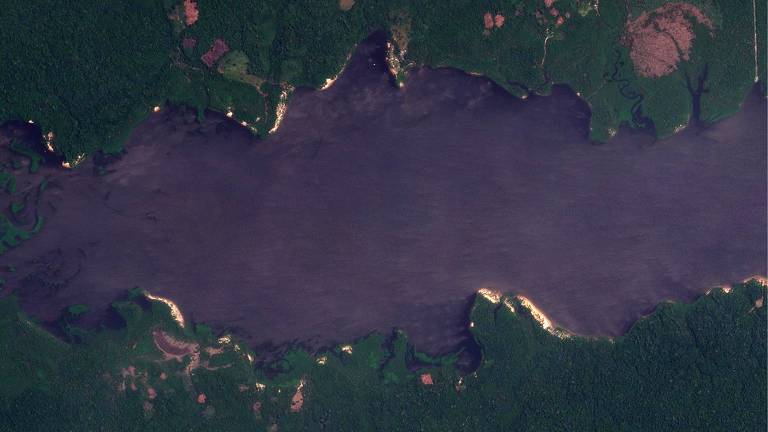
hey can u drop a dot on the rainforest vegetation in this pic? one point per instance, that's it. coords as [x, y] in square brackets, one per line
[86, 72]
[20, 219]
[685, 367]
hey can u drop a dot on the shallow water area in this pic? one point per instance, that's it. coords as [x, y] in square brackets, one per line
[374, 208]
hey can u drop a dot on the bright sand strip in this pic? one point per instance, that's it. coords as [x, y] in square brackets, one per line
[495, 297]
[490, 295]
[282, 108]
[545, 322]
[175, 311]
[329, 81]
[538, 315]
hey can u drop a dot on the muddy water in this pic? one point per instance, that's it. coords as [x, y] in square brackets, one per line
[374, 208]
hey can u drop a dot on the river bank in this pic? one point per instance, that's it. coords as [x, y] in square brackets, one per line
[374, 208]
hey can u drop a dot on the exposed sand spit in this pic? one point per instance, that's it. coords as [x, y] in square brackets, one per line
[490, 295]
[175, 311]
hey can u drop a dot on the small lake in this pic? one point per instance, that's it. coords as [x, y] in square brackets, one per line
[374, 208]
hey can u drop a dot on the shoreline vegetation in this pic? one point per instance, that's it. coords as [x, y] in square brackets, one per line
[697, 366]
[647, 64]
[86, 73]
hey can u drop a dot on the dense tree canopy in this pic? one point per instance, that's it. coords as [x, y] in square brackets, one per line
[87, 72]
[694, 367]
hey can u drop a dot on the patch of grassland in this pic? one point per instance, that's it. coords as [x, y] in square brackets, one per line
[234, 66]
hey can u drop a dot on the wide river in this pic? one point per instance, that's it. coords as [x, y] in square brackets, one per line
[374, 208]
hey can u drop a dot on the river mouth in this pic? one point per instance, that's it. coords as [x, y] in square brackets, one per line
[373, 208]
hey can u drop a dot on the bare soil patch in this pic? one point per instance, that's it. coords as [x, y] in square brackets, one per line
[297, 401]
[216, 51]
[191, 13]
[171, 347]
[346, 5]
[660, 39]
[488, 21]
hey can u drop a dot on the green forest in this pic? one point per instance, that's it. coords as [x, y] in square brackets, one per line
[685, 367]
[86, 72]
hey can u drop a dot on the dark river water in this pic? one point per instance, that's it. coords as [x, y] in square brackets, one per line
[374, 208]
